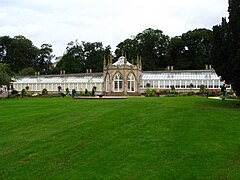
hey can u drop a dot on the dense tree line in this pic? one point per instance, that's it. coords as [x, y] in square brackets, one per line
[150, 44]
[226, 47]
[20, 53]
[191, 50]
[81, 56]
[21, 57]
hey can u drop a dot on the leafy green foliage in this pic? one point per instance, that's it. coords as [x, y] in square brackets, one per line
[151, 44]
[129, 47]
[150, 93]
[21, 54]
[5, 78]
[44, 91]
[43, 62]
[82, 56]
[27, 71]
[202, 89]
[226, 47]
[192, 50]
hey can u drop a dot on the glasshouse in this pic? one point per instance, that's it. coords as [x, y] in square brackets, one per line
[123, 78]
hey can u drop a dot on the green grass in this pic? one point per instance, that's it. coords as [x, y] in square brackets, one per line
[135, 138]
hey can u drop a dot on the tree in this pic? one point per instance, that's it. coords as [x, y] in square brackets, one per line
[73, 60]
[45, 56]
[226, 47]
[151, 44]
[5, 77]
[20, 52]
[94, 53]
[27, 72]
[82, 56]
[176, 53]
[128, 46]
[192, 50]
[221, 50]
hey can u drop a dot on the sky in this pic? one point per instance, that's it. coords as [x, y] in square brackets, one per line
[58, 22]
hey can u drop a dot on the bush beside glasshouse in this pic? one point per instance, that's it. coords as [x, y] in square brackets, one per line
[172, 93]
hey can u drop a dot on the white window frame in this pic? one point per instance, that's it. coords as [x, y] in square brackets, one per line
[118, 83]
[131, 83]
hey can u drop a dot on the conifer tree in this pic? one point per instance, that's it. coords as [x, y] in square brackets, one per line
[226, 47]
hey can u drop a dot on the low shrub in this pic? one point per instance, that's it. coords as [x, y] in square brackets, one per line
[202, 89]
[191, 93]
[44, 91]
[82, 93]
[161, 91]
[213, 92]
[150, 93]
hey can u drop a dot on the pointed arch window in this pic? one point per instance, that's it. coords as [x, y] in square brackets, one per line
[118, 83]
[131, 83]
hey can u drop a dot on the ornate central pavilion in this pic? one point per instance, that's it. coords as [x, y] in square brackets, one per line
[121, 77]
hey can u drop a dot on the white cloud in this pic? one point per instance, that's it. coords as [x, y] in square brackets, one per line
[110, 21]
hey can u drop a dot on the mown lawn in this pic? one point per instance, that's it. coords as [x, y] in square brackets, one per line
[134, 138]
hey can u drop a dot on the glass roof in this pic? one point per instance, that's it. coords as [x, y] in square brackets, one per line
[45, 80]
[180, 75]
[98, 78]
[121, 60]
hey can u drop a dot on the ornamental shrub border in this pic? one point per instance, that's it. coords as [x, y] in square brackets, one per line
[172, 93]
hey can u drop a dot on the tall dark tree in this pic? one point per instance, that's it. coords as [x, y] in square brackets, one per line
[151, 44]
[94, 53]
[129, 48]
[73, 61]
[82, 56]
[221, 51]
[176, 54]
[43, 62]
[20, 52]
[5, 74]
[226, 49]
[197, 49]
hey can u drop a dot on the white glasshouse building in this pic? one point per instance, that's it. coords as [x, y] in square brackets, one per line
[123, 78]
